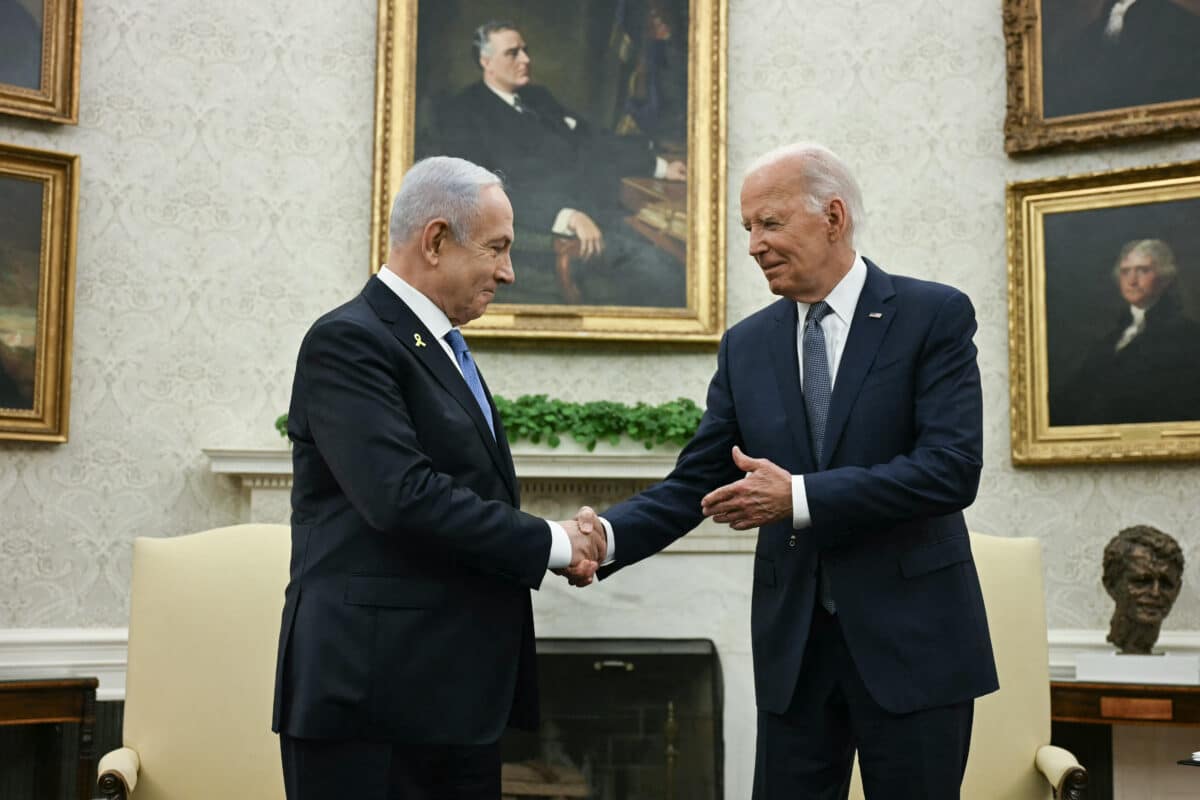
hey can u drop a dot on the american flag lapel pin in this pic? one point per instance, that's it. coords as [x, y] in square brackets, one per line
[876, 315]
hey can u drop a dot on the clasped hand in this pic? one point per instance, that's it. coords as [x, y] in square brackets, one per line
[589, 546]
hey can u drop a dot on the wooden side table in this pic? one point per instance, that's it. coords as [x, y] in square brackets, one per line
[1124, 703]
[55, 701]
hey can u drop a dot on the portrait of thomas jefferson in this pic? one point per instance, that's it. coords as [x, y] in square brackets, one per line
[1100, 55]
[1146, 367]
[21, 43]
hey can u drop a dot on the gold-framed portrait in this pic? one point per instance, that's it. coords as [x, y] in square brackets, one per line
[1093, 71]
[39, 59]
[1104, 316]
[38, 195]
[606, 121]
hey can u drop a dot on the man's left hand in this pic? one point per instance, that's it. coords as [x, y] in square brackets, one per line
[762, 497]
[676, 171]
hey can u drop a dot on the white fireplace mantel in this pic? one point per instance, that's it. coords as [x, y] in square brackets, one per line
[554, 481]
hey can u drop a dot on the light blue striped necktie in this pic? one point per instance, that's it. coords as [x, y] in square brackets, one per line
[817, 390]
[463, 355]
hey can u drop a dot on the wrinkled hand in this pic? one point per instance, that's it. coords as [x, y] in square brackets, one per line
[676, 171]
[589, 527]
[591, 240]
[762, 497]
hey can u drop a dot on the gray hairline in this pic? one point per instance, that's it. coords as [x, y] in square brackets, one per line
[1160, 253]
[440, 186]
[481, 43]
[825, 177]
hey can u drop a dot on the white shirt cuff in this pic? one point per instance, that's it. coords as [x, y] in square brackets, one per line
[610, 552]
[560, 547]
[800, 516]
[660, 167]
[561, 221]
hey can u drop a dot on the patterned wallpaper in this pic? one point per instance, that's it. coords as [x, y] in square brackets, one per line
[226, 162]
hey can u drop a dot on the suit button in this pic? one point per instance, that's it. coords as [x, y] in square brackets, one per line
[792, 541]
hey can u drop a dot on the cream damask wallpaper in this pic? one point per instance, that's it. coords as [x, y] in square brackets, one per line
[226, 162]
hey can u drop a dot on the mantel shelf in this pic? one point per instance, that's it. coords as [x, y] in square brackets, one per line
[627, 461]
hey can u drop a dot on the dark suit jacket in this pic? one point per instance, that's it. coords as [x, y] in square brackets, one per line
[904, 452]
[407, 617]
[1152, 379]
[545, 164]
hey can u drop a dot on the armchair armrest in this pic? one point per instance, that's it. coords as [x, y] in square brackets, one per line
[118, 772]
[1062, 769]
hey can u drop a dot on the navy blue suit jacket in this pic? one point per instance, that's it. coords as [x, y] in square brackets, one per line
[903, 452]
[407, 617]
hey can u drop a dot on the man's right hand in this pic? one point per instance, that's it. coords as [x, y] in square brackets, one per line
[587, 552]
[591, 240]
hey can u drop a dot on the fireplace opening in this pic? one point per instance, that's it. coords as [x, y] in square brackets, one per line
[622, 719]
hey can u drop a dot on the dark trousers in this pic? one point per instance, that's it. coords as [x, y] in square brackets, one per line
[360, 770]
[807, 752]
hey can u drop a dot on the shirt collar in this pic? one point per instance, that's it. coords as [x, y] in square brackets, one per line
[1139, 314]
[430, 315]
[507, 97]
[844, 297]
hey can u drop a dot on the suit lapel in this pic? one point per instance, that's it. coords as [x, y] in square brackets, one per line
[872, 317]
[785, 363]
[412, 333]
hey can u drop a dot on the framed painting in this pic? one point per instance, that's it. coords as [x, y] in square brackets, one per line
[1092, 71]
[39, 59]
[38, 192]
[1104, 316]
[606, 121]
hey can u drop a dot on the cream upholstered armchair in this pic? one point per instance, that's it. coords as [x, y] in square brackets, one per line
[1011, 755]
[203, 627]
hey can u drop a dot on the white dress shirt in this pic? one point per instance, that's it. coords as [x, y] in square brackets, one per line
[1137, 326]
[439, 325]
[563, 218]
[836, 328]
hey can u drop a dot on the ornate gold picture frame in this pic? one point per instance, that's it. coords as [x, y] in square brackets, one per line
[1104, 316]
[39, 59]
[1086, 72]
[649, 71]
[38, 195]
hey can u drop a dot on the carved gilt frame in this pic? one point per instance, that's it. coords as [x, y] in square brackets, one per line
[1027, 129]
[703, 320]
[58, 173]
[57, 97]
[1033, 439]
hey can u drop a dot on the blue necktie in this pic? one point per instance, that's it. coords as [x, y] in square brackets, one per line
[817, 389]
[463, 355]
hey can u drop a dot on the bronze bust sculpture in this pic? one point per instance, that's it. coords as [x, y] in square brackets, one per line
[1143, 571]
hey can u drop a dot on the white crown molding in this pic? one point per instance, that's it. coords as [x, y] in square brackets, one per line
[101, 653]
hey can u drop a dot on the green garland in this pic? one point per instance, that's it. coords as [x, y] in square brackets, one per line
[536, 417]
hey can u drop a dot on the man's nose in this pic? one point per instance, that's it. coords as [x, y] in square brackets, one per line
[756, 244]
[506, 273]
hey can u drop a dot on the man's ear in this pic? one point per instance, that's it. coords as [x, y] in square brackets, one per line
[836, 219]
[433, 239]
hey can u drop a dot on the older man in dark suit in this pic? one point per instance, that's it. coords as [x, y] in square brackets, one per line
[407, 640]
[858, 396]
[562, 173]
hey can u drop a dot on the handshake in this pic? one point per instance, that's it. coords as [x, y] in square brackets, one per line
[589, 547]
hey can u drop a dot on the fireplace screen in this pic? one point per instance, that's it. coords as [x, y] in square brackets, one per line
[650, 729]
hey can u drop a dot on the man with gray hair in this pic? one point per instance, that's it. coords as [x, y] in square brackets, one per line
[845, 422]
[407, 641]
[1143, 369]
[563, 174]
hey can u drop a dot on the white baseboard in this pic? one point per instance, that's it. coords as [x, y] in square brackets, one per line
[27, 653]
[101, 653]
